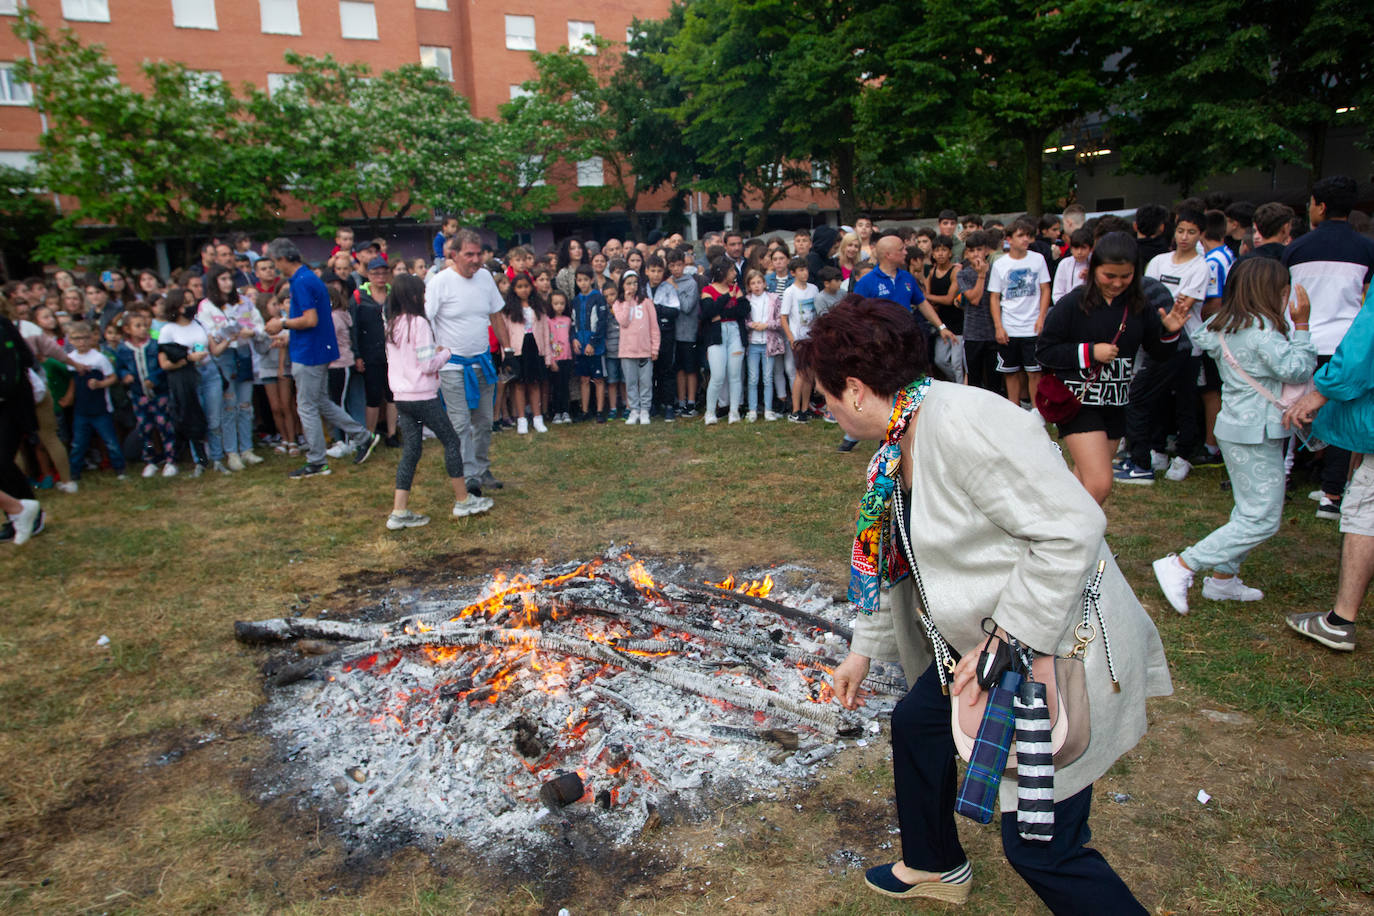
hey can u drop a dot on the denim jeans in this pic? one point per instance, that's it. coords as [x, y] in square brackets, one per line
[727, 362]
[236, 427]
[103, 425]
[758, 355]
[210, 391]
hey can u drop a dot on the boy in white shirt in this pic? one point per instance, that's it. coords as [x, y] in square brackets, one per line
[92, 410]
[1020, 288]
[798, 311]
[1072, 272]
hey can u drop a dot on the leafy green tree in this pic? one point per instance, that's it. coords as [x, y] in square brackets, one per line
[170, 161]
[27, 215]
[396, 145]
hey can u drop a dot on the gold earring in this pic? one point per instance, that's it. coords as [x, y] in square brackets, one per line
[857, 408]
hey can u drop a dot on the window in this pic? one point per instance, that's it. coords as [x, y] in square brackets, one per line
[431, 4]
[194, 14]
[581, 37]
[86, 10]
[276, 82]
[532, 172]
[280, 17]
[520, 33]
[13, 92]
[518, 92]
[820, 174]
[17, 159]
[357, 20]
[590, 173]
[440, 59]
[9, 7]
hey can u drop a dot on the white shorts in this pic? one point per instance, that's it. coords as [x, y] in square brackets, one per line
[1357, 506]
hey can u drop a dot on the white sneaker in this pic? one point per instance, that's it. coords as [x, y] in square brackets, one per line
[221, 467]
[752, 416]
[67, 486]
[473, 505]
[539, 426]
[633, 418]
[1231, 589]
[769, 415]
[170, 469]
[338, 449]
[25, 520]
[405, 519]
[149, 470]
[249, 458]
[522, 426]
[1317, 495]
[710, 418]
[1178, 468]
[1158, 461]
[234, 462]
[734, 416]
[1174, 579]
[644, 418]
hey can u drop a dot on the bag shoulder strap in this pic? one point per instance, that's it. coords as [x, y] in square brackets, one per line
[944, 658]
[1234, 364]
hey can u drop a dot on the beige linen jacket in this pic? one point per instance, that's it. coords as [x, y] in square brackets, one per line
[1001, 528]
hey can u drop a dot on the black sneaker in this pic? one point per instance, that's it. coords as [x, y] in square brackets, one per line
[688, 411]
[583, 417]
[364, 449]
[393, 441]
[310, 470]
[796, 416]
[490, 482]
[1206, 458]
[474, 486]
[6, 532]
[601, 417]
[846, 445]
[668, 414]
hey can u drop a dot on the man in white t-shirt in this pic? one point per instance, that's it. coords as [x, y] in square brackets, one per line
[461, 302]
[1019, 285]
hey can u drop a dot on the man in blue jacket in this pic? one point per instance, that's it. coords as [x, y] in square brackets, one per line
[1341, 412]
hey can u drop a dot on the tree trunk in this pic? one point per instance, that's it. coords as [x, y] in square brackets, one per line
[843, 181]
[632, 212]
[1034, 147]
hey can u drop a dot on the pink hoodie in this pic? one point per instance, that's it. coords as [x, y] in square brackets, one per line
[638, 328]
[412, 365]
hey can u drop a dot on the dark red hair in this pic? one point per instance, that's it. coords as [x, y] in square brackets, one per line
[872, 340]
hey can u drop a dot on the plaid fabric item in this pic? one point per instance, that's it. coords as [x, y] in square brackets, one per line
[978, 793]
[1034, 764]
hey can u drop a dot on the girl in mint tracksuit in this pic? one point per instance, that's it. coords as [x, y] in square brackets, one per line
[1249, 428]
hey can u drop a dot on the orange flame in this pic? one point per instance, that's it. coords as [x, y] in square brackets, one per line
[757, 588]
[640, 576]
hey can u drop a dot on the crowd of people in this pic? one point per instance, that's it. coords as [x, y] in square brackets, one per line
[250, 349]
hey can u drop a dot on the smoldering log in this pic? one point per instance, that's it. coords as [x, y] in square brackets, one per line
[806, 617]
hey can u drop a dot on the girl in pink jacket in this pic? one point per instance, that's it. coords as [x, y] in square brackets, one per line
[639, 340]
[412, 370]
[527, 320]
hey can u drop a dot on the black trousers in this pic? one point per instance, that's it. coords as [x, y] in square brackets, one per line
[1067, 875]
[13, 481]
[1147, 410]
[1335, 462]
[665, 369]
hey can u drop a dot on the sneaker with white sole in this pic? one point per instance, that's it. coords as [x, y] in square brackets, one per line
[249, 458]
[363, 449]
[233, 462]
[1329, 508]
[473, 505]
[752, 416]
[644, 418]
[1232, 589]
[170, 469]
[733, 417]
[221, 467]
[1316, 626]
[1174, 580]
[67, 486]
[632, 419]
[149, 470]
[522, 426]
[1159, 461]
[1317, 495]
[1131, 473]
[769, 415]
[710, 418]
[539, 426]
[405, 519]
[25, 521]
[1179, 469]
[338, 449]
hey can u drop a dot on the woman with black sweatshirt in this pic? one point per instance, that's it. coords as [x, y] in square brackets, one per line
[1089, 342]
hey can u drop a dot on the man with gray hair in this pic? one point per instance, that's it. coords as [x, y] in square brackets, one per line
[313, 347]
[461, 303]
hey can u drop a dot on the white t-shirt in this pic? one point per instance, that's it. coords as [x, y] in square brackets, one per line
[1187, 279]
[1018, 281]
[760, 310]
[799, 308]
[460, 309]
[94, 359]
[1068, 276]
[188, 335]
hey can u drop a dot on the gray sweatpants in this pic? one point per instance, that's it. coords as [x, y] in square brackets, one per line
[473, 426]
[639, 383]
[314, 407]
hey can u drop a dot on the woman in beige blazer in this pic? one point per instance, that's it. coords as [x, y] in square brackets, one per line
[1000, 529]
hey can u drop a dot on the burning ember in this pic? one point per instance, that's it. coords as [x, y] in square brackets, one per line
[594, 691]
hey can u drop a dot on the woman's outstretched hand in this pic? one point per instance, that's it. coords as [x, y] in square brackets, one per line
[848, 676]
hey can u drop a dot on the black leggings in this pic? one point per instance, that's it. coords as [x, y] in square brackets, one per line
[13, 481]
[411, 418]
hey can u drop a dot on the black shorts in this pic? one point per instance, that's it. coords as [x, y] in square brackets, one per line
[1110, 420]
[687, 358]
[1208, 376]
[1016, 354]
[375, 385]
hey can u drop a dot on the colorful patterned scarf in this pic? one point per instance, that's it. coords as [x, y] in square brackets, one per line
[872, 554]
